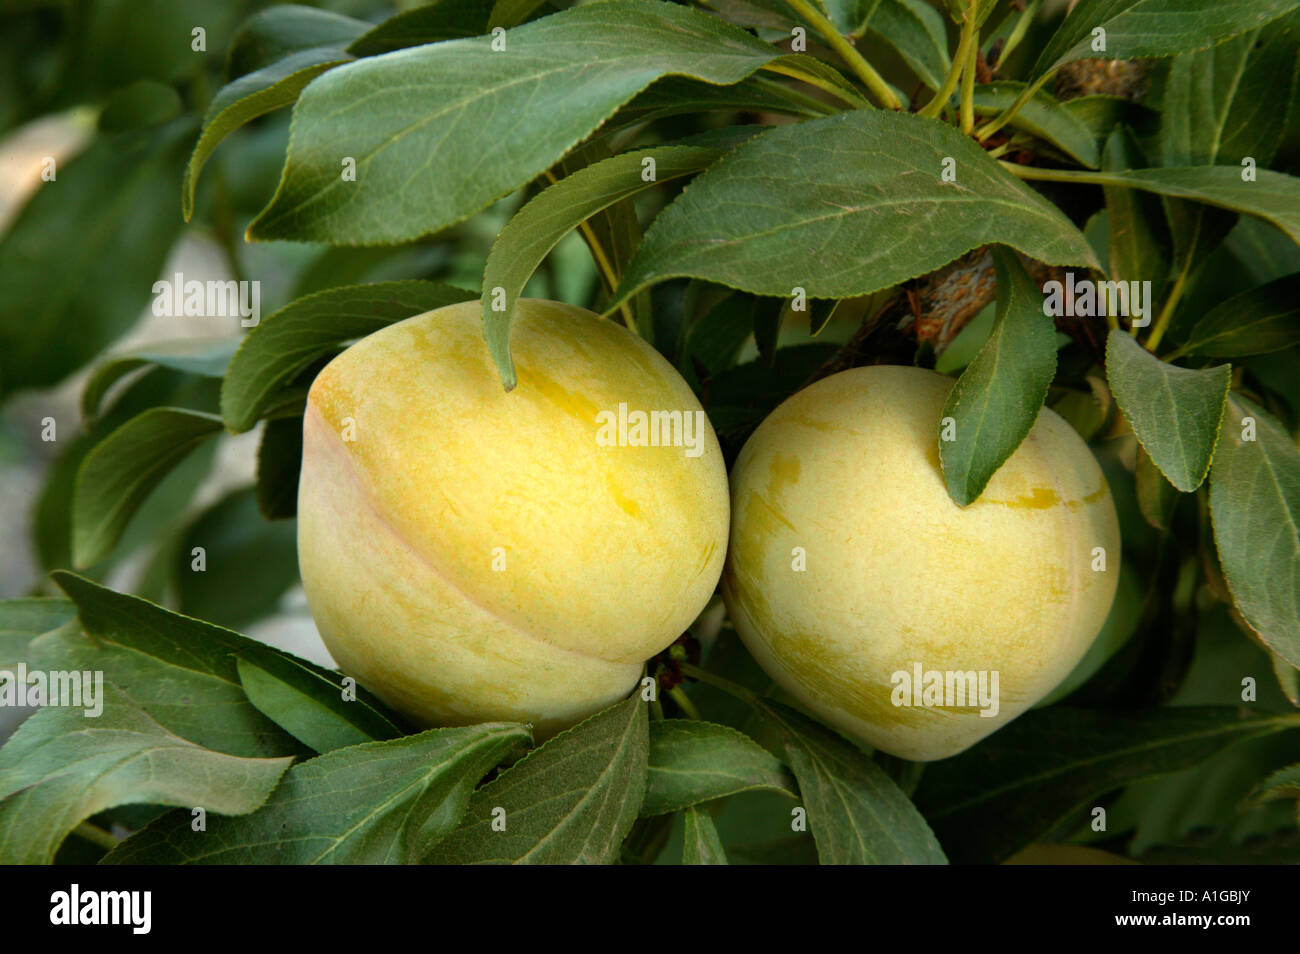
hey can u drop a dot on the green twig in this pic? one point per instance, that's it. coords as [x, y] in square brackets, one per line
[968, 85]
[734, 689]
[1008, 114]
[959, 59]
[683, 702]
[1171, 303]
[1083, 177]
[96, 835]
[1008, 146]
[848, 52]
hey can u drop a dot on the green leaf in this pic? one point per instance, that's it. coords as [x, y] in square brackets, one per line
[1264, 251]
[1138, 240]
[250, 96]
[1174, 412]
[310, 708]
[833, 206]
[1274, 197]
[1014, 787]
[377, 803]
[61, 767]
[1157, 497]
[1101, 113]
[103, 228]
[165, 505]
[850, 16]
[1042, 116]
[23, 619]
[1255, 506]
[179, 670]
[1288, 678]
[856, 813]
[701, 846]
[676, 95]
[809, 69]
[1222, 104]
[234, 536]
[271, 35]
[1284, 783]
[740, 397]
[715, 339]
[206, 357]
[427, 23]
[279, 462]
[611, 235]
[767, 14]
[693, 762]
[117, 476]
[139, 105]
[114, 42]
[538, 227]
[1212, 795]
[916, 32]
[1135, 29]
[996, 401]
[287, 341]
[571, 801]
[1257, 321]
[491, 122]
[508, 13]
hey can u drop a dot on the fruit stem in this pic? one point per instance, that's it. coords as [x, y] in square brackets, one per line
[848, 52]
[684, 702]
[719, 682]
[97, 835]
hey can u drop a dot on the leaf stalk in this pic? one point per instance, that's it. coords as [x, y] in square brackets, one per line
[848, 52]
[965, 42]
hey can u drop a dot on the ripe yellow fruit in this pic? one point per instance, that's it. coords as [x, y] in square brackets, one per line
[850, 564]
[471, 554]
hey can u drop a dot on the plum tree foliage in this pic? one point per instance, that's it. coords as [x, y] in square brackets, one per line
[1075, 226]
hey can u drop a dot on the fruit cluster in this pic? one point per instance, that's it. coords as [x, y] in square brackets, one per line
[472, 554]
